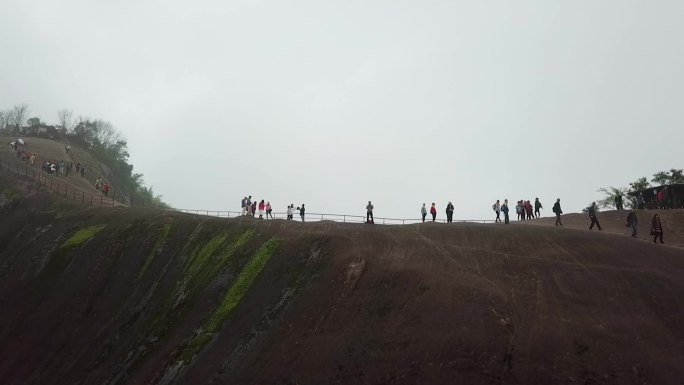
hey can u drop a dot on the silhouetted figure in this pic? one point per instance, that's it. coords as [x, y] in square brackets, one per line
[618, 201]
[592, 216]
[497, 209]
[537, 207]
[504, 209]
[301, 211]
[632, 222]
[557, 210]
[450, 212]
[369, 213]
[657, 229]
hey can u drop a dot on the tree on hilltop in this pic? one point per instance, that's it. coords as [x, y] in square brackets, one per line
[17, 116]
[674, 176]
[610, 194]
[34, 122]
[65, 118]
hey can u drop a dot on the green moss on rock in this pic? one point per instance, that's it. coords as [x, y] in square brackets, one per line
[81, 236]
[232, 297]
[161, 239]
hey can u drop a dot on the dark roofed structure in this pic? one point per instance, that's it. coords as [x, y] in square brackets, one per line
[671, 196]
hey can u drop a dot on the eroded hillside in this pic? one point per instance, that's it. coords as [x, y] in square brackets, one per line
[135, 296]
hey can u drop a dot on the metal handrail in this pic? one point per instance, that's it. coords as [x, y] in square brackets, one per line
[319, 217]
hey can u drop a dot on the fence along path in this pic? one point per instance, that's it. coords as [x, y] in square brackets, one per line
[57, 184]
[317, 217]
[68, 191]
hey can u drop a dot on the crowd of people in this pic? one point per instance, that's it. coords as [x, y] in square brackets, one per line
[251, 208]
[58, 167]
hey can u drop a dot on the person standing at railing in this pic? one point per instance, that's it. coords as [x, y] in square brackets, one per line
[269, 210]
[450, 212]
[497, 209]
[423, 212]
[504, 209]
[290, 211]
[301, 211]
[433, 211]
[369, 213]
[262, 207]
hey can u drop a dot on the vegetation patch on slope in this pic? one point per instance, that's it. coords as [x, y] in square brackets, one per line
[81, 236]
[233, 297]
[163, 236]
[204, 263]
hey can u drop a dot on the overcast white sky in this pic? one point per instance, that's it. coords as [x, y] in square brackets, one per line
[335, 103]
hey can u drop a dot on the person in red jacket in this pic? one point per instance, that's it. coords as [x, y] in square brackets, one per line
[433, 211]
[262, 206]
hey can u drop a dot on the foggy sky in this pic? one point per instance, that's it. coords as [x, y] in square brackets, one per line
[333, 104]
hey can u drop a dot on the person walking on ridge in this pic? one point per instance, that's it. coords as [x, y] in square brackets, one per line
[450, 213]
[592, 216]
[504, 209]
[433, 211]
[632, 222]
[497, 209]
[657, 228]
[557, 210]
[369, 213]
[423, 212]
[537, 207]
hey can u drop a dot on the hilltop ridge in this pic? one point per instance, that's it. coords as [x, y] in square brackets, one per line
[144, 296]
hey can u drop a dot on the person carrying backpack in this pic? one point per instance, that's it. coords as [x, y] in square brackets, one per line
[557, 210]
[537, 207]
[592, 216]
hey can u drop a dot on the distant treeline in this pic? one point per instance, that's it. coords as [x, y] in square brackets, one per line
[104, 142]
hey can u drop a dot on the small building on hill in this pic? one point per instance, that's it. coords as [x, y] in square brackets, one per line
[664, 197]
[42, 131]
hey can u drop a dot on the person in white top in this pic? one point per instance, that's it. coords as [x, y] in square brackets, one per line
[497, 208]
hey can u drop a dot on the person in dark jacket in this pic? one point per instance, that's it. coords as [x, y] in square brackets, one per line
[369, 213]
[301, 211]
[592, 216]
[632, 222]
[657, 228]
[450, 212]
[504, 209]
[537, 206]
[618, 201]
[557, 210]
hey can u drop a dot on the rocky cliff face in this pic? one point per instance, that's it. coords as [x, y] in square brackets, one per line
[131, 296]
